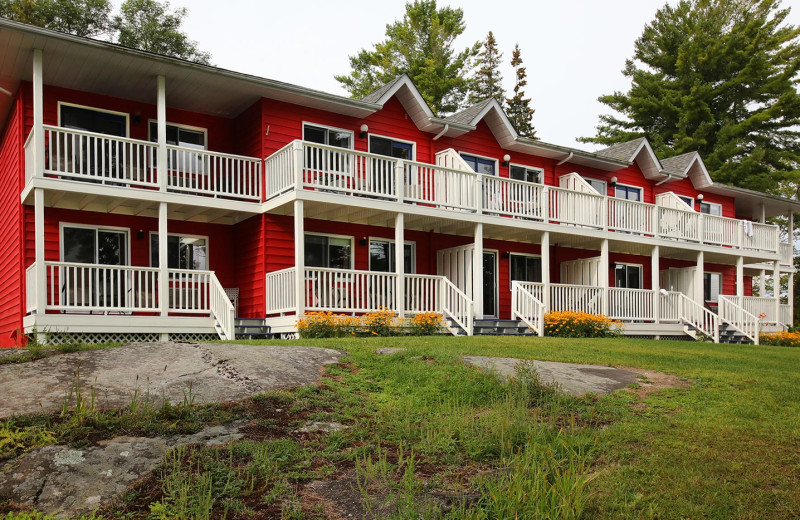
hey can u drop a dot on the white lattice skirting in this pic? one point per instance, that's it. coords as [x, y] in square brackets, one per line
[94, 338]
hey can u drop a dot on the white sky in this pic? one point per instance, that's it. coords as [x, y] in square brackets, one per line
[574, 50]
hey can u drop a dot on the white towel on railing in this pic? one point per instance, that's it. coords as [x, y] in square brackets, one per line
[748, 228]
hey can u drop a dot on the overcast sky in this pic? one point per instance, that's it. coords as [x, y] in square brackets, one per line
[574, 50]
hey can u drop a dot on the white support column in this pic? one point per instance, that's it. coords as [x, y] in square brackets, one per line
[299, 258]
[400, 179]
[699, 295]
[740, 277]
[38, 114]
[776, 288]
[546, 270]
[38, 239]
[604, 274]
[477, 272]
[762, 283]
[763, 214]
[790, 293]
[655, 282]
[161, 124]
[163, 260]
[400, 263]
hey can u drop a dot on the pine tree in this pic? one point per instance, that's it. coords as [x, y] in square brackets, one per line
[719, 77]
[487, 82]
[518, 107]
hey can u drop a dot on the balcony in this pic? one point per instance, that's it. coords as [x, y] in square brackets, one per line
[129, 163]
[313, 167]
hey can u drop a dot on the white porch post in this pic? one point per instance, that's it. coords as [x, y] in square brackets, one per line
[546, 270]
[740, 277]
[698, 279]
[400, 263]
[477, 272]
[38, 239]
[163, 260]
[604, 274]
[762, 283]
[790, 293]
[776, 288]
[161, 124]
[299, 258]
[38, 114]
[655, 282]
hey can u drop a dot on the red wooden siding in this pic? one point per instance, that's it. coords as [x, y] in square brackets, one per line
[12, 270]
[684, 187]
[249, 275]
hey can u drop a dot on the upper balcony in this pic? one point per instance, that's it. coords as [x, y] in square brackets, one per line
[309, 166]
[130, 163]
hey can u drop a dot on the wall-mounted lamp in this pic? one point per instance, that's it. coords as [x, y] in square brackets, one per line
[364, 129]
[137, 117]
[140, 234]
[363, 241]
[699, 196]
[614, 180]
[506, 159]
[506, 255]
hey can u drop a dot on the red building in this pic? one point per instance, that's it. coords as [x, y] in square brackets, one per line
[377, 202]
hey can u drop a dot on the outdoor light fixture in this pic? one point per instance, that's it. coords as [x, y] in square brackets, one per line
[613, 180]
[506, 254]
[363, 241]
[699, 196]
[140, 234]
[506, 159]
[364, 129]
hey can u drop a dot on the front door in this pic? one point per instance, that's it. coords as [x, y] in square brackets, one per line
[490, 284]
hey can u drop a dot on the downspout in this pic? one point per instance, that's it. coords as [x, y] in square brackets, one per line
[669, 178]
[444, 130]
[559, 163]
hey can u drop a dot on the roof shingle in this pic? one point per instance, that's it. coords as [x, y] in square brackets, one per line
[621, 151]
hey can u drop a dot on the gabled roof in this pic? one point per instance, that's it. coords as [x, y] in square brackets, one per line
[469, 115]
[622, 151]
[639, 151]
[375, 95]
[409, 96]
[678, 164]
[688, 165]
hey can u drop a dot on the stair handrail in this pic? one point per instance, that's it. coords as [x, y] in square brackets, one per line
[222, 309]
[527, 308]
[457, 305]
[737, 317]
[699, 317]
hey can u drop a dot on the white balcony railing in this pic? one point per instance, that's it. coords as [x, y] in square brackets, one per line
[762, 307]
[678, 224]
[526, 307]
[787, 254]
[508, 197]
[630, 216]
[423, 293]
[281, 291]
[212, 173]
[30, 288]
[440, 186]
[581, 298]
[630, 304]
[669, 307]
[735, 315]
[575, 208]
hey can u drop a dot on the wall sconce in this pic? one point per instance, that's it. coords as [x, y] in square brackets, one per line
[506, 255]
[363, 241]
[140, 234]
[699, 196]
[364, 129]
[613, 180]
[506, 159]
[137, 117]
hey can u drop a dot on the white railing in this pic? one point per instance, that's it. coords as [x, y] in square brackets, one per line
[721, 231]
[699, 317]
[762, 307]
[213, 173]
[423, 293]
[341, 170]
[189, 291]
[279, 170]
[98, 157]
[457, 306]
[509, 197]
[439, 186]
[222, 309]
[670, 306]
[30, 288]
[763, 237]
[349, 290]
[631, 216]
[786, 315]
[450, 158]
[787, 254]
[630, 304]
[280, 287]
[582, 298]
[573, 181]
[576, 208]
[678, 224]
[739, 318]
[101, 288]
[526, 307]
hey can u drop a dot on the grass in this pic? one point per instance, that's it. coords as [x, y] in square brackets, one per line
[427, 437]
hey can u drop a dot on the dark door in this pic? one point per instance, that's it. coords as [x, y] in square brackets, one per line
[490, 284]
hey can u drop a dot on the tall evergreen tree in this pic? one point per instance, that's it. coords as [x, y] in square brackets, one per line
[518, 107]
[487, 82]
[719, 77]
[420, 45]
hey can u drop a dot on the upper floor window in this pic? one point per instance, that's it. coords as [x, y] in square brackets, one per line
[480, 164]
[711, 208]
[628, 193]
[597, 184]
[391, 148]
[688, 200]
[179, 135]
[524, 173]
[93, 120]
[328, 251]
[183, 252]
[327, 135]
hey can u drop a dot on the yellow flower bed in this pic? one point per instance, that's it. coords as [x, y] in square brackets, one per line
[383, 322]
[781, 339]
[574, 324]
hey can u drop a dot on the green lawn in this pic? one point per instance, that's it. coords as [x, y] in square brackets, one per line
[421, 425]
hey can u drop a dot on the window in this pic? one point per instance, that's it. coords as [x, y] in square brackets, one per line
[94, 286]
[710, 208]
[185, 137]
[523, 173]
[381, 256]
[480, 164]
[88, 245]
[597, 184]
[326, 135]
[183, 252]
[390, 148]
[688, 200]
[628, 193]
[93, 120]
[329, 252]
[628, 276]
[712, 285]
[526, 268]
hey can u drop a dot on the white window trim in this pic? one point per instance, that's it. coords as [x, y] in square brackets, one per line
[412, 143]
[462, 153]
[641, 275]
[95, 109]
[720, 284]
[62, 225]
[510, 254]
[331, 235]
[180, 235]
[715, 204]
[328, 127]
[185, 127]
[540, 170]
[640, 188]
[413, 245]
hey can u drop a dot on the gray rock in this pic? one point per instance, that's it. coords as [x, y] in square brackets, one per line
[389, 351]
